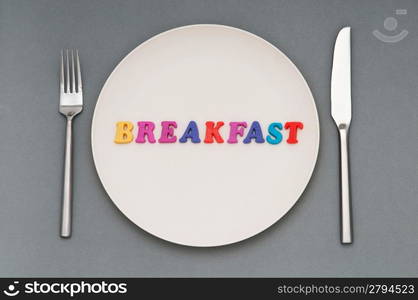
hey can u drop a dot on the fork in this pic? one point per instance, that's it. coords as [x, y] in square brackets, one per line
[71, 104]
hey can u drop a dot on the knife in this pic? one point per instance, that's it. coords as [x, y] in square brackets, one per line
[341, 113]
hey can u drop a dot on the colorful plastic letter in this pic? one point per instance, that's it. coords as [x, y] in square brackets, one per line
[212, 131]
[255, 132]
[124, 132]
[145, 128]
[275, 136]
[167, 132]
[237, 129]
[191, 132]
[293, 131]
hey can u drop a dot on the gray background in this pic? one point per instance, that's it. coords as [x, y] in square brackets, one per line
[384, 144]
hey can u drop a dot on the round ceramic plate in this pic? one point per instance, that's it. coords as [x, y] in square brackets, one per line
[205, 135]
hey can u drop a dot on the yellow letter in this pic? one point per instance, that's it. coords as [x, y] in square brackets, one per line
[124, 132]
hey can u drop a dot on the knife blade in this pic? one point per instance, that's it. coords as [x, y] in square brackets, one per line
[341, 79]
[341, 113]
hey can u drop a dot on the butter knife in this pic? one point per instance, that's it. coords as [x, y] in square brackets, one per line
[341, 113]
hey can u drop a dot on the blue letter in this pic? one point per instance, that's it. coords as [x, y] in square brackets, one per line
[191, 132]
[254, 133]
[275, 136]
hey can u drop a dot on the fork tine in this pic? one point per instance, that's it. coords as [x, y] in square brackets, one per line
[79, 83]
[68, 88]
[73, 89]
[62, 72]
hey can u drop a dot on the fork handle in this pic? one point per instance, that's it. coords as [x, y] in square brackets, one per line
[67, 188]
[346, 223]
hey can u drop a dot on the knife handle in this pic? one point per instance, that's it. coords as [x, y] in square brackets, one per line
[346, 226]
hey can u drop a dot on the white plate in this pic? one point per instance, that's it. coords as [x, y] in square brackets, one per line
[201, 194]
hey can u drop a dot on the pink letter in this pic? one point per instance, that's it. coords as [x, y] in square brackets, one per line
[145, 129]
[167, 132]
[237, 128]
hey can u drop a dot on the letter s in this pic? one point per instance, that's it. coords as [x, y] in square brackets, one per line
[29, 288]
[123, 288]
[275, 136]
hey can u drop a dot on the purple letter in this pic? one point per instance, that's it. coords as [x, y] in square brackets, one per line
[191, 132]
[237, 128]
[254, 132]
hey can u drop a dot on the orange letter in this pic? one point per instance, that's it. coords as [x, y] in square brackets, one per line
[212, 131]
[124, 132]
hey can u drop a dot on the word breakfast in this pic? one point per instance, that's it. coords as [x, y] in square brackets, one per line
[253, 133]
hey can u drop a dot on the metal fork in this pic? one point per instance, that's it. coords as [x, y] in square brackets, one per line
[71, 104]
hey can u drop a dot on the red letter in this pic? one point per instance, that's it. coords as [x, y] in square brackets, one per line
[212, 131]
[145, 129]
[293, 131]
